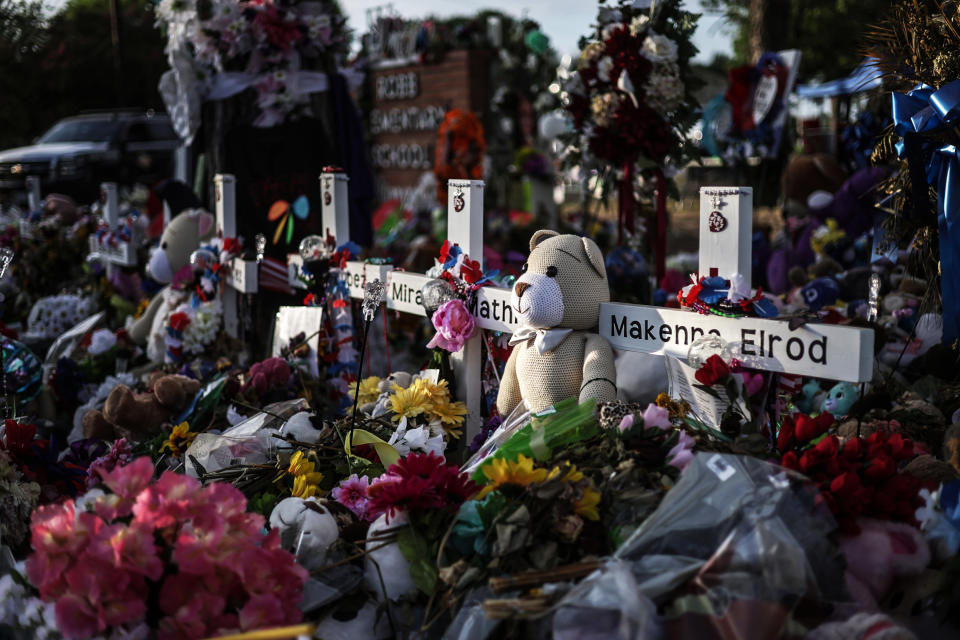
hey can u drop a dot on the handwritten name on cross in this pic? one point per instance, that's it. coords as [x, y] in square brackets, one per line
[241, 275]
[820, 350]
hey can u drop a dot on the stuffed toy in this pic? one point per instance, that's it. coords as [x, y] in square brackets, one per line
[880, 553]
[839, 399]
[558, 300]
[139, 416]
[307, 529]
[181, 238]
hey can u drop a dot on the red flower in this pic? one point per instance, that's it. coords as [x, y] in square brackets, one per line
[411, 494]
[470, 270]
[809, 428]
[852, 449]
[880, 468]
[445, 251]
[19, 437]
[828, 447]
[785, 436]
[280, 32]
[789, 461]
[712, 371]
[179, 321]
[845, 486]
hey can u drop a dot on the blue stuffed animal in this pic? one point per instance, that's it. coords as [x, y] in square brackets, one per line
[839, 399]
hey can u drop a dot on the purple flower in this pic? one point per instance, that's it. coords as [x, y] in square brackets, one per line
[454, 324]
[682, 453]
[655, 416]
[626, 423]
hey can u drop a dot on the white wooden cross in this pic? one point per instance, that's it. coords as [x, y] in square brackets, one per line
[122, 253]
[241, 276]
[34, 202]
[827, 351]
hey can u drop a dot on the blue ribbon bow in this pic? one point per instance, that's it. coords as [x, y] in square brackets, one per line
[922, 111]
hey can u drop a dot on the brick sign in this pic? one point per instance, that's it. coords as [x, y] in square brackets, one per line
[409, 104]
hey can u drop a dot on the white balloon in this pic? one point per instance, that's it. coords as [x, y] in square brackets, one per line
[552, 124]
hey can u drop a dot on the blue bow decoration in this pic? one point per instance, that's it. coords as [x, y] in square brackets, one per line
[924, 111]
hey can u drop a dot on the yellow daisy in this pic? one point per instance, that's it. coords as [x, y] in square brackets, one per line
[500, 472]
[369, 390]
[586, 506]
[439, 393]
[180, 439]
[571, 473]
[450, 415]
[408, 403]
[303, 488]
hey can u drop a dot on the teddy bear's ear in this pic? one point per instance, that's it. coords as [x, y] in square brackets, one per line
[540, 236]
[205, 222]
[594, 256]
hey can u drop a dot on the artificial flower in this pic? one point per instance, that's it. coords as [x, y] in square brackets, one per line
[501, 472]
[352, 493]
[454, 324]
[369, 390]
[682, 453]
[451, 415]
[712, 371]
[179, 440]
[586, 505]
[408, 403]
[656, 417]
[306, 479]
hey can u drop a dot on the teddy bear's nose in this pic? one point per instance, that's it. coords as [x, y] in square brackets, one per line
[520, 287]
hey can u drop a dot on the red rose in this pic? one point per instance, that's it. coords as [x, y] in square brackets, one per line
[785, 436]
[880, 468]
[179, 321]
[900, 448]
[712, 371]
[808, 461]
[845, 486]
[852, 449]
[789, 461]
[828, 447]
[809, 428]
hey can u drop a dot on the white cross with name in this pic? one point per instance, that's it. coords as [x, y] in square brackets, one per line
[827, 351]
[241, 275]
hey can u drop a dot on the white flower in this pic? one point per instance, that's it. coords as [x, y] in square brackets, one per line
[604, 67]
[610, 28]
[101, 341]
[658, 48]
[234, 417]
[738, 288]
[639, 24]
[87, 500]
[664, 90]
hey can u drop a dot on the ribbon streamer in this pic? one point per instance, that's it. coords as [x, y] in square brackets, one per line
[917, 115]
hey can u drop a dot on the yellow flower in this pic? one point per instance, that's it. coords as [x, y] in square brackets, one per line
[180, 439]
[450, 415]
[303, 488]
[500, 472]
[438, 393]
[586, 506]
[678, 409]
[408, 403]
[141, 308]
[369, 390]
[572, 475]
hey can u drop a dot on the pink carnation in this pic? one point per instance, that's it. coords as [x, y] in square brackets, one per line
[654, 416]
[454, 324]
[682, 453]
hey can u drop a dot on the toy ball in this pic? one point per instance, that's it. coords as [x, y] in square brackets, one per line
[820, 293]
[24, 371]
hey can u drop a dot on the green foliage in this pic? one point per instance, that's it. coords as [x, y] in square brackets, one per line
[829, 33]
[417, 550]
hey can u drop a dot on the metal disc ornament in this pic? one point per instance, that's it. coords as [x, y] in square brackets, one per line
[327, 198]
[458, 202]
[717, 222]
[24, 371]
[203, 259]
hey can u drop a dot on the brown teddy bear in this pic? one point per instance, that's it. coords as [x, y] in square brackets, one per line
[139, 416]
[555, 355]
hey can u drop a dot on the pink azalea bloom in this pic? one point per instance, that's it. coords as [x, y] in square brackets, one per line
[129, 480]
[167, 502]
[682, 453]
[58, 534]
[655, 416]
[197, 551]
[76, 617]
[188, 608]
[130, 548]
[752, 382]
[262, 611]
[626, 423]
[352, 493]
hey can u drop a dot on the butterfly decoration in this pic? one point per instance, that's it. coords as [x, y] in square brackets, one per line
[281, 210]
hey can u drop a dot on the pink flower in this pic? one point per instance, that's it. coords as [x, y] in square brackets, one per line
[58, 535]
[655, 416]
[127, 482]
[262, 611]
[167, 502]
[188, 608]
[352, 493]
[752, 382]
[130, 548]
[76, 617]
[454, 324]
[627, 422]
[682, 453]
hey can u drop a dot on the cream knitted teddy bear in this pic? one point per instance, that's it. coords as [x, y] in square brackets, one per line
[558, 300]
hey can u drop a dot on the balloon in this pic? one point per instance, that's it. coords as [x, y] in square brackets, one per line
[24, 373]
[435, 293]
[537, 41]
[552, 124]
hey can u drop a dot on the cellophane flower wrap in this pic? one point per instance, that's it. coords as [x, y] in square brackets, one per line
[185, 559]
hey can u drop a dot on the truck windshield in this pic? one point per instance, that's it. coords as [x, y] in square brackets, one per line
[81, 131]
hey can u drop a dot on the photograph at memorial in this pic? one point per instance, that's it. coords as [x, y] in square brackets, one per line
[479, 320]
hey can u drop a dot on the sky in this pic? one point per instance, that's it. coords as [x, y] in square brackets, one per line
[564, 21]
